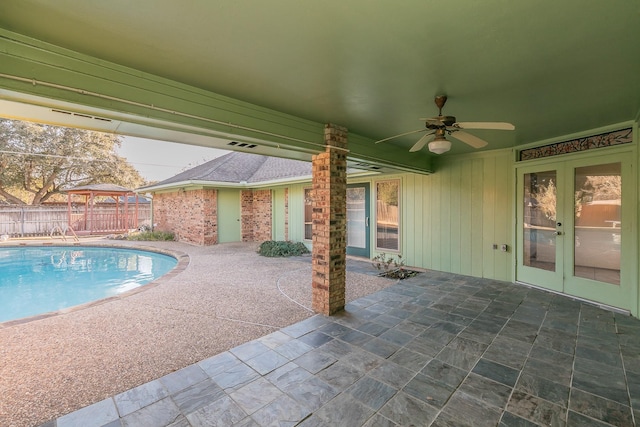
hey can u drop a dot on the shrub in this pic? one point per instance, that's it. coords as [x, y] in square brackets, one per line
[392, 268]
[272, 248]
[152, 236]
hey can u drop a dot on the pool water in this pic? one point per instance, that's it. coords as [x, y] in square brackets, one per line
[36, 280]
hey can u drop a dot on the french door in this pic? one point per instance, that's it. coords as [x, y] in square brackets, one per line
[358, 235]
[574, 228]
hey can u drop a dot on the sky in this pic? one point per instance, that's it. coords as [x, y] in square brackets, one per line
[159, 160]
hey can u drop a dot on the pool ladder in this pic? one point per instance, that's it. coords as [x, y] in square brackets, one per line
[63, 233]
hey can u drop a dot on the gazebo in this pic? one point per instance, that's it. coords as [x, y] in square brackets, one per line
[102, 218]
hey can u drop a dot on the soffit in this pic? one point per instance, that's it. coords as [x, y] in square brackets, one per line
[551, 68]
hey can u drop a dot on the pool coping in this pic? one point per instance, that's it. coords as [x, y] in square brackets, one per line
[182, 259]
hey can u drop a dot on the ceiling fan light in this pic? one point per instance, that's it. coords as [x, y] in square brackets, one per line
[439, 146]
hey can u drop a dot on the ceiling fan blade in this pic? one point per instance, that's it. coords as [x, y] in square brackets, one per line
[421, 143]
[398, 136]
[485, 125]
[469, 139]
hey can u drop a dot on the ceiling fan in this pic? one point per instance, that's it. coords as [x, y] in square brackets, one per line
[440, 126]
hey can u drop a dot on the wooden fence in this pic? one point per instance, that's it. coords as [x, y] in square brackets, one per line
[35, 221]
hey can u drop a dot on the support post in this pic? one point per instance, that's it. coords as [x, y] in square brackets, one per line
[329, 217]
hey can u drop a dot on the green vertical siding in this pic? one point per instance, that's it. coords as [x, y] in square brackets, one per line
[455, 219]
[452, 218]
[477, 186]
[434, 188]
[489, 210]
[278, 214]
[427, 219]
[466, 221]
[449, 219]
[505, 203]
[418, 206]
[296, 212]
[411, 213]
[444, 224]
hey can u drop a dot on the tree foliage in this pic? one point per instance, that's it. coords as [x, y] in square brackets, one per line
[388, 192]
[546, 198]
[597, 188]
[603, 187]
[39, 161]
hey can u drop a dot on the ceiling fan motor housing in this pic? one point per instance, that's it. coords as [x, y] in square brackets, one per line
[440, 121]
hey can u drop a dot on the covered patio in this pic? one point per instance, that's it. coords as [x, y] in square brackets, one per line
[436, 350]
[542, 88]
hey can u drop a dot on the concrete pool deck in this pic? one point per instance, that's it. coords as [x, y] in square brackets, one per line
[227, 295]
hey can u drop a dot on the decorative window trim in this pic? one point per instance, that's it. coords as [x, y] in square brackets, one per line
[608, 139]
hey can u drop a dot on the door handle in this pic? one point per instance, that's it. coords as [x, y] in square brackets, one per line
[558, 233]
[366, 221]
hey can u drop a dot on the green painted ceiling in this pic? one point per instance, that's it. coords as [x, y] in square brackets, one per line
[550, 67]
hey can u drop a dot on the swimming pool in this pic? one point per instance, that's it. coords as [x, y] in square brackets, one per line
[36, 280]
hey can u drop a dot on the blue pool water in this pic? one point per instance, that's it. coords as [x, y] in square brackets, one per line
[36, 280]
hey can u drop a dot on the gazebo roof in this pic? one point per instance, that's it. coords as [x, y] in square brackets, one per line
[100, 189]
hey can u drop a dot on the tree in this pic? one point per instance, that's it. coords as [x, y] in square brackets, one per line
[39, 161]
[546, 198]
[603, 187]
[597, 188]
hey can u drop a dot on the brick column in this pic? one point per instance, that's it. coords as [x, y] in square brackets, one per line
[330, 222]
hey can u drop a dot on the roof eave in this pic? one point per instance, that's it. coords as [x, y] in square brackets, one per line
[187, 183]
[242, 184]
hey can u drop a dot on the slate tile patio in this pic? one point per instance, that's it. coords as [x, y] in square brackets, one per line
[437, 349]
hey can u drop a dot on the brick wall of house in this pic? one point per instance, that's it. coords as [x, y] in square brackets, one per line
[190, 215]
[256, 215]
[246, 215]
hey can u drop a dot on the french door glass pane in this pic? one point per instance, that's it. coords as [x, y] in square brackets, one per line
[539, 229]
[598, 202]
[356, 217]
[387, 218]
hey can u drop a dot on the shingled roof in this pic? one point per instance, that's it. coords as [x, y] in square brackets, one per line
[238, 167]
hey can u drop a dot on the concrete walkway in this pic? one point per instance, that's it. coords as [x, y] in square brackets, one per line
[438, 349]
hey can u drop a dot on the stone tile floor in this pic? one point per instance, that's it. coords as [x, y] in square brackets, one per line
[437, 349]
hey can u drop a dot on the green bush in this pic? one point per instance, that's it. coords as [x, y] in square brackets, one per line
[272, 248]
[152, 236]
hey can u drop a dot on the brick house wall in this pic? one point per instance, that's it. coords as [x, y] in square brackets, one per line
[190, 215]
[256, 217]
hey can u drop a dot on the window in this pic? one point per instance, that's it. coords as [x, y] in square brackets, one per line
[308, 210]
[387, 215]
